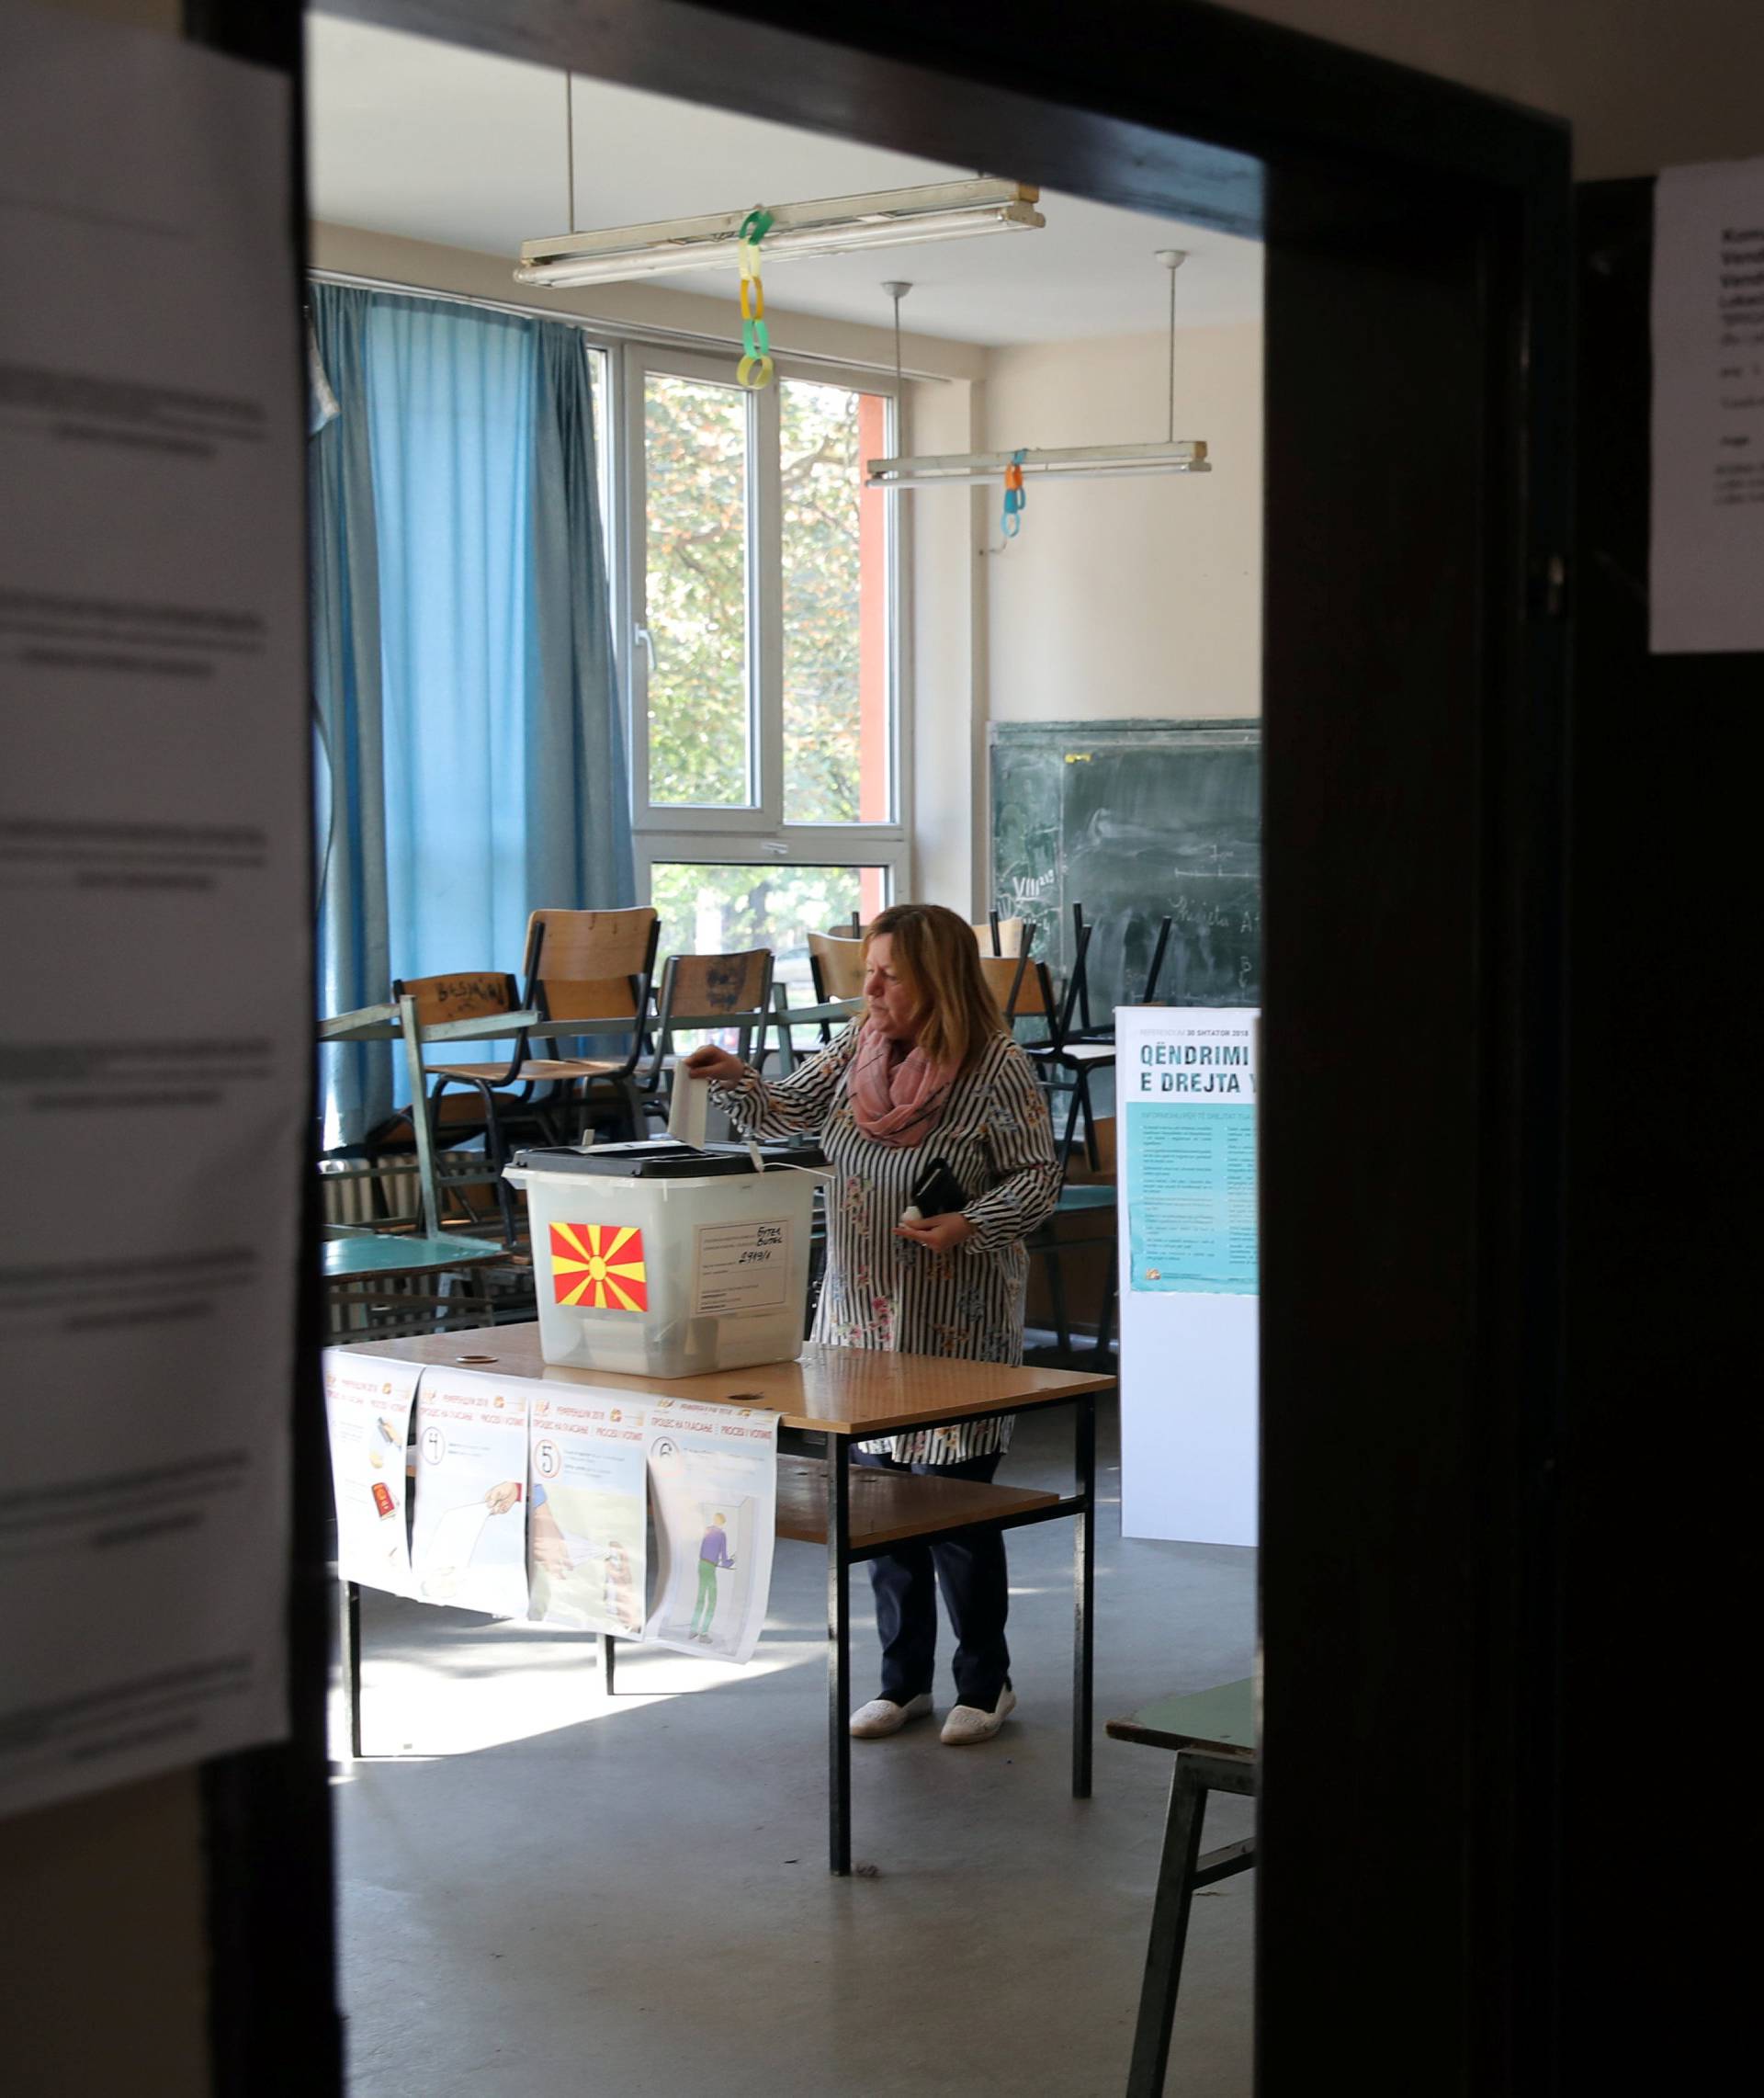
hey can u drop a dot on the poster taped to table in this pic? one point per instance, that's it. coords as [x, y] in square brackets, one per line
[588, 1517]
[714, 1477]
[468, 1541]
[367, 1409]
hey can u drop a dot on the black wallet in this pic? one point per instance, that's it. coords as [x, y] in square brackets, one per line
[937, 1192]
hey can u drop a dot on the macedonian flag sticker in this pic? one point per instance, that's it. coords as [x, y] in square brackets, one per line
[601, 1264]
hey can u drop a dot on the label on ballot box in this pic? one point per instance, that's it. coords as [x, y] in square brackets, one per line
[741, 1267]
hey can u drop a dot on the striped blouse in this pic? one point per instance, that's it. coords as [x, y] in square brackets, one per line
[885, 1292]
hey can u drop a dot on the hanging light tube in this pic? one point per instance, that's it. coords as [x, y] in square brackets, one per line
[1076, 462]
[1080, 462]
[878, 219]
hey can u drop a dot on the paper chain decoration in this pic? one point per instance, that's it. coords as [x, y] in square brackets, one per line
[1015, 498]
[755, 370]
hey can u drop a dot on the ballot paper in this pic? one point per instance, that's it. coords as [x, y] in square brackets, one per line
[688, 1107]
[713, 1482]
[468, 1538]
[587, 1520]
[368, 1405]
[154, 850]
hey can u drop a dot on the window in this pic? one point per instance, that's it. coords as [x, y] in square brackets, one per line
[766, 732]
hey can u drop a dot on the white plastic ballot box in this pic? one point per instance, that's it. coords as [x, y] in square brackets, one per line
[662, 1260]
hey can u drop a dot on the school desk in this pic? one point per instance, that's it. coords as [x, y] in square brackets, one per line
[833, 1398]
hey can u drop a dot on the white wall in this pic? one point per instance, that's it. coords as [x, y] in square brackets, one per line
[1645, 83]
[1123, 597]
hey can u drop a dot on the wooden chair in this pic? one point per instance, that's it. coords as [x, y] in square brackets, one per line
[1025, 991]
[473, 994]
[588, 973]
[1084, 1031]
[709, 991]
[836, 964]
[1004, 935]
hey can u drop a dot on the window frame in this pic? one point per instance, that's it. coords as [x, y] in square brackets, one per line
[757, 833]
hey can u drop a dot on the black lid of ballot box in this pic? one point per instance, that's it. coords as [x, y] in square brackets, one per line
[659, 1158]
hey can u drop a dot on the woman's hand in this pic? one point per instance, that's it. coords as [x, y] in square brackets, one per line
[942, 1234]
[716, 1064]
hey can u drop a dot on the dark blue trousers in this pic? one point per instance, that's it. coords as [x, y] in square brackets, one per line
[976, 1593]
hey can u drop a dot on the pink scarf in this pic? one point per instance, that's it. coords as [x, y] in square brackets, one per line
[896, 1092]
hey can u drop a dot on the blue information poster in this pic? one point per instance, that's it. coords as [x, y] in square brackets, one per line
[1192, 1196]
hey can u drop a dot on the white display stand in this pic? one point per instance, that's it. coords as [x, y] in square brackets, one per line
[1185, 1097]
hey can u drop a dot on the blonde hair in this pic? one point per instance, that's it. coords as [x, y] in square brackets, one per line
[936, 955]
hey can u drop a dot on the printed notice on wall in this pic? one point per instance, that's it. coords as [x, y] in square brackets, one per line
[1706, 570]
[587, 1525]
[367, 1412]
[741, 1267]
[154, 841]
[469, 1538]
[714, 1476]
[1189, 1089]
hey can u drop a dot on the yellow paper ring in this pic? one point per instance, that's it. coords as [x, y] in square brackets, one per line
[753, 372]
[752, 298]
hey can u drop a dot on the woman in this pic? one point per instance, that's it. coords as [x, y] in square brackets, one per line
[929, 1072]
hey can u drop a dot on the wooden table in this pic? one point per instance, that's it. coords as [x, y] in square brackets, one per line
[839, 1397]
[1213, 1733]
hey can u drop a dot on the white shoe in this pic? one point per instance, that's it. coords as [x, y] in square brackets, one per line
[882, 1715]
[969, 1723]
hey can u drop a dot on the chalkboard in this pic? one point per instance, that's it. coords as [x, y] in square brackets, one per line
[1135, 821]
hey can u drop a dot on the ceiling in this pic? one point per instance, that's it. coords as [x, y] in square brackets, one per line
[439, 144]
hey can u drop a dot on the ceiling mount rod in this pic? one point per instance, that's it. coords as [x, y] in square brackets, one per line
[897, 290]
[1172, 260]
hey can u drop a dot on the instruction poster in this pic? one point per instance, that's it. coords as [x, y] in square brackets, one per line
[367, 1406]
[1190, 1093]
[468, 1541]
[588, 1519]
[713, 1474]
[1708, 424]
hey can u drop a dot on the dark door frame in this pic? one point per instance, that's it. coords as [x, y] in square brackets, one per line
[1418, 458]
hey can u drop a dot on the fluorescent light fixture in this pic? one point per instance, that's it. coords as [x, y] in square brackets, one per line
[1076, 462]
[879, 219]
[1082, 462]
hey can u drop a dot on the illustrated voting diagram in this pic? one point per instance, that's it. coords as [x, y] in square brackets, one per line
[368, 1405]
[713, 1474]
[468, 1541]
[587, 1528]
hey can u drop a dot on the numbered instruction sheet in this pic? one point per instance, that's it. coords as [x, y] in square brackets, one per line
[367, 1409]
[468, 1542]
[587, 1525]
[154, 844]
[713, 1475]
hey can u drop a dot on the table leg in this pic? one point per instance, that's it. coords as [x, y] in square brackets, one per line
[351, 1640]
[609, 1650]
[1083, 1596]
[839, 1653]
[420, 1125]
[1168, 1930]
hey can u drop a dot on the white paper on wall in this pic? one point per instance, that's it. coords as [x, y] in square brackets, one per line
[155, 824]
[1707, 567]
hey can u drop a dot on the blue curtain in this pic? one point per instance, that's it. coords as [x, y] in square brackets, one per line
[343, 580]
[502, 777]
